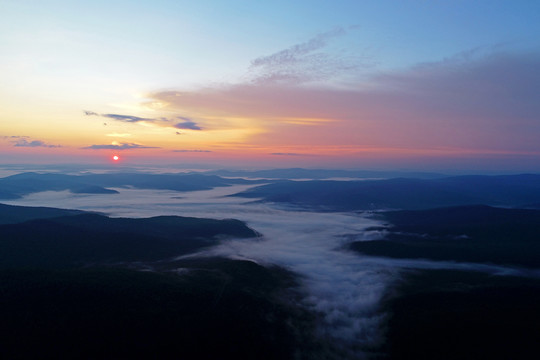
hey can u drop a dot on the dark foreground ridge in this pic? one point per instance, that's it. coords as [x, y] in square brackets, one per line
[216, 309]
[82, 285]
[87, 239]
[448, 315]
[86, 286]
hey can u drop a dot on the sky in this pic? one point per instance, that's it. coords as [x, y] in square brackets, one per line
[412, 84]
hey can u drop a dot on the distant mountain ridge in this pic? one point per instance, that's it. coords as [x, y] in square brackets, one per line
[402, 193]
[320, 174]
[478, 233]
[16, 186]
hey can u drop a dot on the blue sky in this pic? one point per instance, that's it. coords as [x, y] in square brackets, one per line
[61, 58]
[178, 42]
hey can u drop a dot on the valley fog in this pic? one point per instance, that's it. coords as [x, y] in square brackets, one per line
[339, 285]
[345, 288]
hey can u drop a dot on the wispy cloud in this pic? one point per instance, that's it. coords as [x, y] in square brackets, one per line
[299, 64]
[293, 54]
[127, 118]
[24, 141]
[15, 137]
[195, 151]
[290, 154]
[187, 123]
[482, 101]
[119, 146]
[124, 118]
[306, 61]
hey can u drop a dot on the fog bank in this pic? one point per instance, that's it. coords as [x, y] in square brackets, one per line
[345, 288]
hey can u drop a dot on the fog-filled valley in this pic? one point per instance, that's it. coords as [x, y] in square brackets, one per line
[277, 180]
[334, 265]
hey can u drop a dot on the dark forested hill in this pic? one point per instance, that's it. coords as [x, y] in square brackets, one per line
[469, 233]
[448, 314]
[90, 238]
[10, 214]
[72, 288]
[402, 193]
[216, 309]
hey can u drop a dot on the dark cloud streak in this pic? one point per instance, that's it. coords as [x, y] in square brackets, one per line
[193, 151]
[123, 146]
[190, 125]
[187, 123]
[290, 154]
[23, 141]
[125, 118]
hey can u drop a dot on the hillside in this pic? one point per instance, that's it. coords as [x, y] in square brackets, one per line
[10, 214]
[402, 193]
[16, 186]
[471, 233]
[90, 238]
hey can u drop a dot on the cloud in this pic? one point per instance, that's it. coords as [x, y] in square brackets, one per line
[15, 137]
[188, 123]
[121, 146]
[290, 154]
[125, 118]
[196, 151]
[21, 141]
[477, 103]
[306, 62]
[293, 53]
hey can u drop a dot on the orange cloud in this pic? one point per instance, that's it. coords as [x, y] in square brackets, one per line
[480, 104]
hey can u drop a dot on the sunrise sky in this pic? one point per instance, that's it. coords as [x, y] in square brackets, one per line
[426, 84]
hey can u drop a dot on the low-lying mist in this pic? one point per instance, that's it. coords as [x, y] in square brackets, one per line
[344, 288]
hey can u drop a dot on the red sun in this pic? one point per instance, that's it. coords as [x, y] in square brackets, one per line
[116, 158]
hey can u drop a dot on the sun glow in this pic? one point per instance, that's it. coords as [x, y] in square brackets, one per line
[116, 158]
